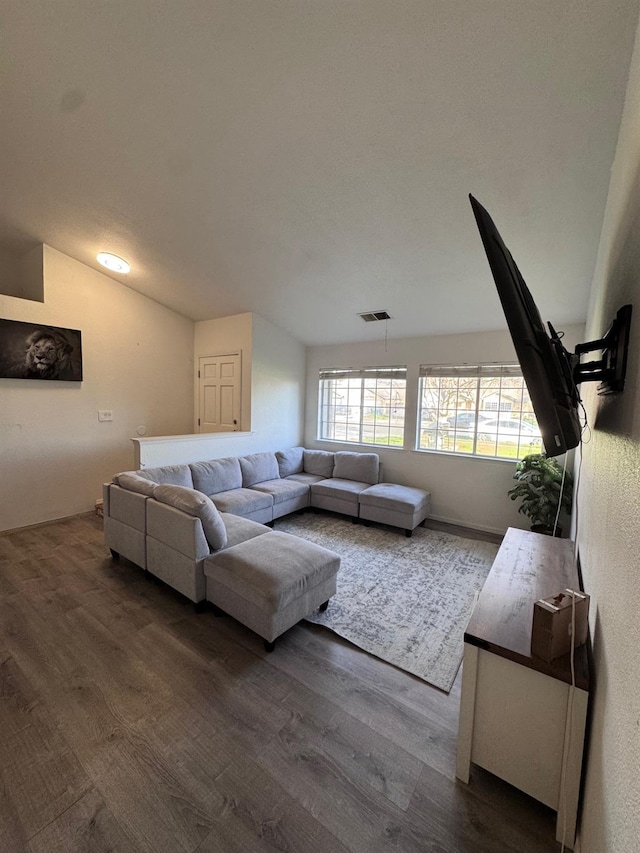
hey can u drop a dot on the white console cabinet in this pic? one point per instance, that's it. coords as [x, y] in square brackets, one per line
[520, 718]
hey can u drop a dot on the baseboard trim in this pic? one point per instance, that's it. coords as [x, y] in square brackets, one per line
[491, 534]
[92, 514]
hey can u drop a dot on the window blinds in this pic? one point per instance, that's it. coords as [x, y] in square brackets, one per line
[469, 370]
[363, 373]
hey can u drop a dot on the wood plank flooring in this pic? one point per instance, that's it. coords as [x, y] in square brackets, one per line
[130, 723]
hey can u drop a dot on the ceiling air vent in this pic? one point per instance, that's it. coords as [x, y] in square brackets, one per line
[374, 316]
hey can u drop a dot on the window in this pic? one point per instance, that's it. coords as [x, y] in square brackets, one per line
[479, 410]
[364, 405]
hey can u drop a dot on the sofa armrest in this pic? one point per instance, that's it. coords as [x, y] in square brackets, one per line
[126, 507]
[177, 530]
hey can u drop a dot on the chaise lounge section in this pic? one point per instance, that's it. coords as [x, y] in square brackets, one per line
[271, 584]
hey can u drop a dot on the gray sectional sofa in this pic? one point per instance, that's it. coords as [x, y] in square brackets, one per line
[192, 526]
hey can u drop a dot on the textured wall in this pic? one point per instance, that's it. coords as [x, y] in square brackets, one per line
[273, 377]
[220, 337]
[138, 362]
[609, 519]
[278, 373]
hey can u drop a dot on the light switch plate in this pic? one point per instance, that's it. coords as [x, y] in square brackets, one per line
[105, 415]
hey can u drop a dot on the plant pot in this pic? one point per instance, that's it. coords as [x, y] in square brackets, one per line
[546, 530]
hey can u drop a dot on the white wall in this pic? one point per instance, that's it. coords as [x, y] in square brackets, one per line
[222, 337]
[278, 392]
[469, 491]
[157, 450]
[22, 274]
[273, 390]
[138, 361]
[609, 518]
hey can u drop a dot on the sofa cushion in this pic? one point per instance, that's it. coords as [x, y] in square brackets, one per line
[319, 462]
[258, 467]
[274, 571]
[241, 529]
[390, 496]
[242, 501]
[290, 461]
[363, 467]
[195, 503]
[337, 488]
[217, 475]
[168, 475]
[307, 479]
[133, 482]
[282, 490]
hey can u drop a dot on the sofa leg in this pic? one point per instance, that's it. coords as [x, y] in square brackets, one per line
[323, 606]
[269, 646]
[200, 606]
[408, 533]
[114, 554]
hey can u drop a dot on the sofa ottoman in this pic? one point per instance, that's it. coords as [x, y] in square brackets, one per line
[399, 506]
[272, 584]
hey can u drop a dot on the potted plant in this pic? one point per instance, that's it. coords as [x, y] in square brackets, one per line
[539, 482]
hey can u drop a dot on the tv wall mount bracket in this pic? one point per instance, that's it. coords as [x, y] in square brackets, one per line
[611, 368]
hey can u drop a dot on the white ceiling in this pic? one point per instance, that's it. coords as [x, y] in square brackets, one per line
[311, 159]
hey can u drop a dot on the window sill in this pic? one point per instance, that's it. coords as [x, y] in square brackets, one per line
[372, 447]
[449, 453]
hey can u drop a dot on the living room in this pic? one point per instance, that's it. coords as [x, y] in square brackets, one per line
[139, 362]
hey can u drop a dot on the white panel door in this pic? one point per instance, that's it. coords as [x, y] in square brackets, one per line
[220, 387]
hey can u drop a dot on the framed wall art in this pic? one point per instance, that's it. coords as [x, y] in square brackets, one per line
[33, 351]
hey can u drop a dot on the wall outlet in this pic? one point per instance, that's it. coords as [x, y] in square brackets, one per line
[105, 415]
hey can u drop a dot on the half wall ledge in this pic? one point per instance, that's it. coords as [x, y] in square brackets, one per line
[154, 451]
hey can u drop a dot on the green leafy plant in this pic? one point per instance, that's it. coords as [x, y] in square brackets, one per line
[539, 482]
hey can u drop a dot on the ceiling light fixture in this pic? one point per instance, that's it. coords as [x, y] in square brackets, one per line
[113, 262]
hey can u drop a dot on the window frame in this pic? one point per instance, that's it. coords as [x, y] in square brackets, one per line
[478, 372]
[362, 375]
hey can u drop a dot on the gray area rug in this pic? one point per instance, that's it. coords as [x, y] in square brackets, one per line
[406, 601]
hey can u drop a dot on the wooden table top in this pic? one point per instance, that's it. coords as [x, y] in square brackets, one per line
[528, 566]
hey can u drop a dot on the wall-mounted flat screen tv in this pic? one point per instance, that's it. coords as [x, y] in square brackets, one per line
[551, 373]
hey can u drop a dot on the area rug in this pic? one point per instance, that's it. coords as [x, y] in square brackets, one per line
[404, 600]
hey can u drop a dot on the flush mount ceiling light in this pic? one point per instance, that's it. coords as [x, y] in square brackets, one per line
[113, 262]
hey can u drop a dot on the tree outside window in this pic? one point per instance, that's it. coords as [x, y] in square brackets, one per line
[477, 410]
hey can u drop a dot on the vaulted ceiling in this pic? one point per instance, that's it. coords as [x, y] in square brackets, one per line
[311, 159]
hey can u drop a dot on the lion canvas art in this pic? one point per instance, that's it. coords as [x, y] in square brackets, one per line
[33, 351]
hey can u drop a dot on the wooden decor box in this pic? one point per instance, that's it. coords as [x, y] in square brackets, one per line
[551, 631]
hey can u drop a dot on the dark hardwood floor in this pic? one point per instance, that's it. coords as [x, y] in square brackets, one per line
[130, 723]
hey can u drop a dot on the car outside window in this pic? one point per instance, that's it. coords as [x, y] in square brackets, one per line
[476, 410]
[363, 405]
